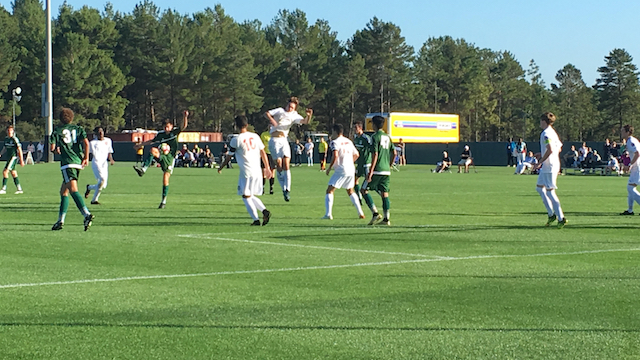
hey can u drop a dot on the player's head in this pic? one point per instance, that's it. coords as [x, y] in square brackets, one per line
[378, 122]
[337, 130]
[10, 131]
[358, 127]
[66, 115]
[292, 103]
[445, 153]
[309, 139]
[626, 131]
[99, 132]
[547, 119]
[241, 122]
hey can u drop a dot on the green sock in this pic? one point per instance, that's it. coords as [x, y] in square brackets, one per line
[77, 198]
[165, 191]
[357, 189]
[64, 206]
[386, 204]
[17, 182]
[369, 200]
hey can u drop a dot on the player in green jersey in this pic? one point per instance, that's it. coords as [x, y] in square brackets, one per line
[362, 142]
[13, 148]
[165, 155]
[383, 153]
[70, 141]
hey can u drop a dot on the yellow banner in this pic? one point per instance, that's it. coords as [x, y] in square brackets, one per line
[189, 137]
[420, 128]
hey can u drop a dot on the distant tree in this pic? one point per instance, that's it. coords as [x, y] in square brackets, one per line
[575, 108]
[9, 65]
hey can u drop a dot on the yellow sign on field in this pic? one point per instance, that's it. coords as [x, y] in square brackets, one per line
[189, 137]
[419, 128]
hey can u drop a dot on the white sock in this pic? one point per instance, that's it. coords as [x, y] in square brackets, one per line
[556, 203]
[251, 208]
[328, 203]
[356, 202]
[634, 195]
[287, 179]
[258, 203]
[545, 199]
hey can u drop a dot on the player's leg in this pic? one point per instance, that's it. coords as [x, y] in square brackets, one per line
[5, 176]
[102, 184]
[543, 181]
[96, 175]
[64, 206]
[355, 200]
[16, 181]
[165, 189]
[328, 203]
[372, 186]
[383, 189]
[632, 193]
[286, 170]
[154, 155]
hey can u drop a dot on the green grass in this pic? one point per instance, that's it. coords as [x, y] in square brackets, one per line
[467, 270]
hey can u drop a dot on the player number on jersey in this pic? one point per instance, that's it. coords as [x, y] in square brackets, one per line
[250, 145]
[69, 136]
[384, 141]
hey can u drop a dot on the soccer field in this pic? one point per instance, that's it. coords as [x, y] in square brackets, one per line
[467, 270]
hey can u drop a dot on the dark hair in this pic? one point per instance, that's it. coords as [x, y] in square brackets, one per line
[628, 129]
[241, 121]
[66, 115]
[378, 121]
[294, 100]
[548, 117]
[95, 131]
[338, 128]
[359, 123]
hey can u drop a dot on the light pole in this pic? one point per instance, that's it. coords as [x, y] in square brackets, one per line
[16, 98]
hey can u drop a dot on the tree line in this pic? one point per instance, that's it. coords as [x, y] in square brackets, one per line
[137, 69]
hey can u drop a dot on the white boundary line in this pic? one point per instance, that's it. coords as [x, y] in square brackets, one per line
[321, 267]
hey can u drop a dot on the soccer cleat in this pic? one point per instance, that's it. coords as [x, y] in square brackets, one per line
[3, 191]
[271, 192]
[87, 192]
[162, 206]
[57, 226]
[550, 220]
[95, 203]
[376, 217]
[256, 223]
[266, 215]
[287, 197]
[87, 221]
[19, 192]
[327, 217]
[562, 223]
[627, 212]
[385, 222]
[139, 170]
[361, 216]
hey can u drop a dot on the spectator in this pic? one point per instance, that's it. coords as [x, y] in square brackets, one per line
[571, 158]
[511, 145]
[223, 155]
[207, 158]
[521, 151]
[40, 151]
[308, 148]
[139, 152]
[465, 159]
[582, 152]
[626, 161]
[297, 160]
[623, 146]
[444, 164]
[529, 162]
[613, 166]
[184, 149]
[615, 150]
[606, 148]
[31, 148]
[187, 158]
[400, 146]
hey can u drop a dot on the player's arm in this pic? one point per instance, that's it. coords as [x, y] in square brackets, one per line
[265, 160]
[271, 119]
[111, 159]
[393, 157]
[333, 161]
[185, 120]
[85, 159]
[307, 119]
[227, 159]
[20, 154]
[143, 144]
[356, 154]
[635, 157]
[547, 153]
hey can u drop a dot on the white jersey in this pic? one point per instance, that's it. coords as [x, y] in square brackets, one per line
[633, 146]
[550, 137]
[308, 147]
[100, 150]
[284, 119]
[346, 150]
[246, 148]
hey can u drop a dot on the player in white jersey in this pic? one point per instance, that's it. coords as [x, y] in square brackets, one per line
[549, 167]
[101, 148]
[280, 122]
[249, 151]
[343, 162]
[633, 147]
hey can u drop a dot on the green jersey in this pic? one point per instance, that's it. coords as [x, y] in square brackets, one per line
[381, 143]
[70, 139]
[11, 145]
[363, 144]
[170, 138]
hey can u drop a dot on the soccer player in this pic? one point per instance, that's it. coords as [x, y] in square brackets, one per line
[281, 120]
[633, 147]
[70, 141]
[249, 150]
[265, 137]
[549, 167]
[344, 157]
[362, 142]
[101, 148]
[383, 154]
[166, 155]
[13, 148]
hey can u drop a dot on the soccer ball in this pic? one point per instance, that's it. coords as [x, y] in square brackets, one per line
[165, 148]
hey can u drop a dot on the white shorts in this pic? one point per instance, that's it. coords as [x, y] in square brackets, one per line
[249, 186]
[464, 162]
[342, 181]
[101, 173]
[634, 175]
[279, 147]
[548, 180]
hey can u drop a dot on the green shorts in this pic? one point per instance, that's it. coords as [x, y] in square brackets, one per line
[363, 170]
[11, 164]
[166, 162]
[69, 174]
[379, 183]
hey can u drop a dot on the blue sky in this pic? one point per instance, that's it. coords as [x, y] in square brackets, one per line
[553, 33]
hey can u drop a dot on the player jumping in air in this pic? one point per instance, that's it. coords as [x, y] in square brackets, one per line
[549, 167]
[102, 149]
[383, 153]
[165, 156]
[344, 155]
[249, 152]
[281, 120]
[70, 141]
[633, 147]
[13, 148]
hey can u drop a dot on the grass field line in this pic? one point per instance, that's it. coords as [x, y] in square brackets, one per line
[210, 237]
[306, 268]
